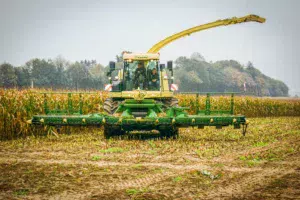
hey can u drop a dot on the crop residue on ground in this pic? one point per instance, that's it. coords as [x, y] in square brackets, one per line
[200, 164]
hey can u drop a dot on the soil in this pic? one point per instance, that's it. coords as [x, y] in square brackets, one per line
[201, 164]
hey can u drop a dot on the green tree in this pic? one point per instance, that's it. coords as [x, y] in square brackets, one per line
[23, 76]
[98, 76]
[43, 73]
[79, 76]
[8, 77]
[61, 65]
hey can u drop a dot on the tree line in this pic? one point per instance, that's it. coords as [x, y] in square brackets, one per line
[56, 74]
[196, 74]
[192, 73]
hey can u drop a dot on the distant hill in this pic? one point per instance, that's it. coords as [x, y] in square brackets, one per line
[195, 74]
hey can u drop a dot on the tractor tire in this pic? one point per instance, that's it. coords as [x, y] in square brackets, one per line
[112, 131]
[110, 106]
[169, 133]
[107, 132]
[172, 102]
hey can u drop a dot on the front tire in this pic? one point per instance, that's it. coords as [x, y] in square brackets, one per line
[112, 131]
[172, 133]
[110, 106]
[171, 102]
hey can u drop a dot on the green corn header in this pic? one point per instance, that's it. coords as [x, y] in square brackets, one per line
[142, 114]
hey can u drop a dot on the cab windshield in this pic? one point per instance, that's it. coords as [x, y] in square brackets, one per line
[141, 74]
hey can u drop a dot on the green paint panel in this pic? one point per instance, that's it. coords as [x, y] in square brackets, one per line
[99, 119]
[172, 118]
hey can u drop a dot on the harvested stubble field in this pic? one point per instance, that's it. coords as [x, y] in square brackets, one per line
[200, 164]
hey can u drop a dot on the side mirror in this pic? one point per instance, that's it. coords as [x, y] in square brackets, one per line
[112, 66]
[170, 65]
[162, 66]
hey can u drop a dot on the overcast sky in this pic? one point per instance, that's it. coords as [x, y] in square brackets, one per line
[99, 30]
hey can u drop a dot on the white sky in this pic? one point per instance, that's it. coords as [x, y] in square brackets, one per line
[91, 29]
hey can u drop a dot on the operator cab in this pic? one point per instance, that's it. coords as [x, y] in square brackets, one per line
[141, 74]
[140, 71]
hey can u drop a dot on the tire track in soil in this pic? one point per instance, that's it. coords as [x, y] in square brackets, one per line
[114, 187]
[237, 189]
[110, 188]
[141, 182]
[258, 179]
[104, 163]
[185, 168]
[232, 156]
[247, 184]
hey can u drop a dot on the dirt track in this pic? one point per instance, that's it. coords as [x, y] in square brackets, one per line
[212, 165]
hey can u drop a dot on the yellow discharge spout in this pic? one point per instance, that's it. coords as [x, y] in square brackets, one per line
[224, 22]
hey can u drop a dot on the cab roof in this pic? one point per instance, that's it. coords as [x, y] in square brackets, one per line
[141, 56]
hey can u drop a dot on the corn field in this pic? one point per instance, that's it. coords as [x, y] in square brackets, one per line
[18, 106]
